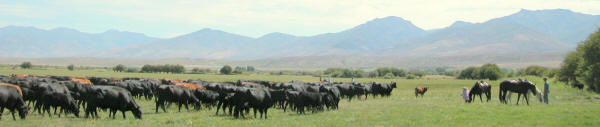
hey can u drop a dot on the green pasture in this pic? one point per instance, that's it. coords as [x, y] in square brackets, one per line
[442, 105]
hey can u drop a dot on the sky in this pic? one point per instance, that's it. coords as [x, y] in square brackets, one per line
[254, 18]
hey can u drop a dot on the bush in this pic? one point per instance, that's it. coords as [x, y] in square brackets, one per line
[26, 65]
[71, 67]
[119, 68]
[226, 70]
[410, 76]
[487, 71]
[344, 73]
[385, 70]
[388, 76]
[534, 70]
[132, 70]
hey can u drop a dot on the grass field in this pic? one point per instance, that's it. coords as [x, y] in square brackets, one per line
[441, 106]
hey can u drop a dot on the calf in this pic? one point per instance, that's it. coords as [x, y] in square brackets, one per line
[420, 90]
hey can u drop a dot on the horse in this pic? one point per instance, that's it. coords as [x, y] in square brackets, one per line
[538, 94]
[480, 88]
[520, 87]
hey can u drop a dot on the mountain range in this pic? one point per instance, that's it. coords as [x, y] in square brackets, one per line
[527, 31]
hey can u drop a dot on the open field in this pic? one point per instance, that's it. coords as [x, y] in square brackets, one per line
[441, 106]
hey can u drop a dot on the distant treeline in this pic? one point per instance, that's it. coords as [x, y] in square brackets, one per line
[385, 72]
[167, 68]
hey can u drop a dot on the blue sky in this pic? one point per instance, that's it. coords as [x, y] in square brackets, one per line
[255, 18]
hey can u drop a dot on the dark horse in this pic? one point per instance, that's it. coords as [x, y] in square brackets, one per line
[481, 88]
[520, 87]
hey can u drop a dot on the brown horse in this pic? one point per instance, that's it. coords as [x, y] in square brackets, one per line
[520, 87]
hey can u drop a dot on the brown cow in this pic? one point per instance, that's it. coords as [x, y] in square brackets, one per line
[22, 75]
[420, 90]
[171, 81]
[18, 88]
[190, 86]
[81, 80]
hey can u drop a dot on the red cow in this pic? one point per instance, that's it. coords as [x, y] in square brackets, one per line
[420, 90]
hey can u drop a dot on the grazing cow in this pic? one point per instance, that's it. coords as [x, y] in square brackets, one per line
[171, 81]
[175, 93]
[346, 90]
[420, 90]
[310, 100]
[113, 98]
[383, 89]
[207, 97]
[11, 97]
[56, 95]
[291, 97]
[22, 75]
[256, 98]
[190, 86]
[81, 80]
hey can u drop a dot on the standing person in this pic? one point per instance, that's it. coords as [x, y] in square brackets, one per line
[352, 79]
[546, 90]
[465, 95]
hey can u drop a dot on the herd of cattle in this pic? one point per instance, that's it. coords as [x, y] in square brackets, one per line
[19, 92]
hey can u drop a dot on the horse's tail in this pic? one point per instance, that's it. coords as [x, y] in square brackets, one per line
[500, 96]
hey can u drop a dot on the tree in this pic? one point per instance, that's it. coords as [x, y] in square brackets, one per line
[467, 73]
[226, 70]
[487, 71]
[132, 70]
[440, 70]
[26, 65]
[583, 65]
[250, 69]
[238, 70]
[534, 70]
[71, 67]
[570, 68]
[119, 68]
[491, 72]
[591, 61]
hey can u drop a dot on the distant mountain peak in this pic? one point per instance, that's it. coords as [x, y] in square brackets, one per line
[545, 11]
[276, 34]
[460, 24]
[64, 29]
[388, 20]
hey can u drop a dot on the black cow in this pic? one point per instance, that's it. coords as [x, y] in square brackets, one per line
[11, 98]
[311, 100]
[208, 97]
[56, 95]
[174, 93]
[113, 98]
[256, 98]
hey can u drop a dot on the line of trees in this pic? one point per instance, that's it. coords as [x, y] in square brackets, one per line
[167, 68]
[344, 73]
[487, 71]
[237, 70]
